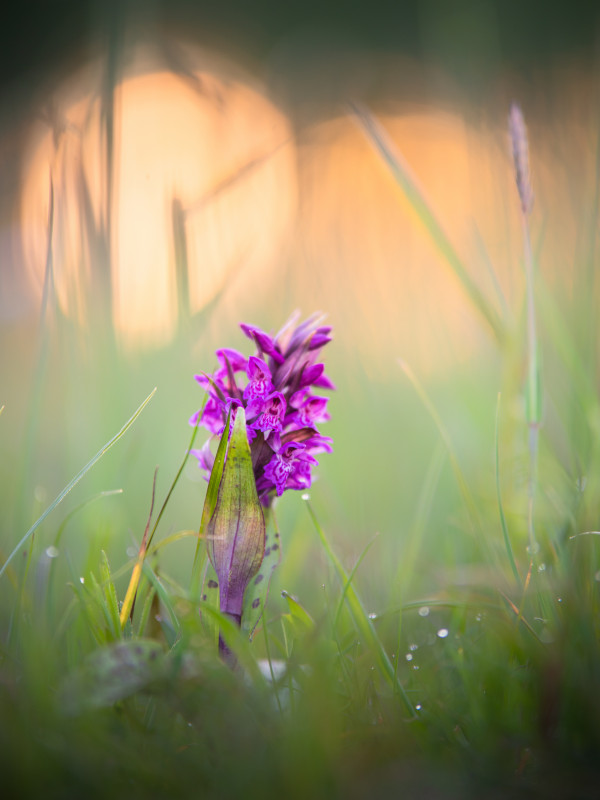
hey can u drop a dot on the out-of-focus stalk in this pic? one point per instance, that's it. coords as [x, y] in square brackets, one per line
[533, 400]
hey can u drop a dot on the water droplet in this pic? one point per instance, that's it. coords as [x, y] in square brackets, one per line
[131, 552]
[542, 568]
[418, 707]
[533, 549]
[82, 579]
[442, 633]
[560, 598]
[415, 666]
[306, 496]
[413, 647]
[424, 611]
[408, 657]
[372, 615]
[479, 617]
[52, 552]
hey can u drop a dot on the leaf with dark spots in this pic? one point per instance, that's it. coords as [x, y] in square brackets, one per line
[258, 590]
[236, 531]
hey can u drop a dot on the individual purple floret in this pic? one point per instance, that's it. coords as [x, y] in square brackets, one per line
[275, 387]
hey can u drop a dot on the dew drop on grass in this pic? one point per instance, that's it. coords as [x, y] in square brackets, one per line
[415, 666]
[542, 568]
[442, 633]
[418, 707]
[131, 552]
[82, 579]
[412, 647]
[306, 496]
[52, 552]
[533, 549]
[424, 611]
[372, 615]
[409, 657]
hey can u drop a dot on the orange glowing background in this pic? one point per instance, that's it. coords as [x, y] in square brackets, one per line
[213, 193]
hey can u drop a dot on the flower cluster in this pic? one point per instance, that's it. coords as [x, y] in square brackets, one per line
[275, 387]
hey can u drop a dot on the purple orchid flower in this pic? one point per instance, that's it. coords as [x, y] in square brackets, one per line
[275, 386]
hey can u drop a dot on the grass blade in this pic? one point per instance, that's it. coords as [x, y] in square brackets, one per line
[61, 496]
[408, 183]
[507, 543]
[361, 619]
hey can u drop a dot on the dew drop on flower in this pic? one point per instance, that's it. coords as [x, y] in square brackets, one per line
[424, 611]
[442, 633]
[52, 552]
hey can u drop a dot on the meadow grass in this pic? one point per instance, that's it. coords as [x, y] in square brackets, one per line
[452, 655]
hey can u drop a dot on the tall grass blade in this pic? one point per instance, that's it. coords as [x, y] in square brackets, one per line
[463, 486]
[505, 535]
[425, 504]
[131, 593]
[61, 496]
[408, 183]
[361, 619]
[533, 394]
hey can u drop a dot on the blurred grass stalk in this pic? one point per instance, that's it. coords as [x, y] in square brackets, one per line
[405, 179]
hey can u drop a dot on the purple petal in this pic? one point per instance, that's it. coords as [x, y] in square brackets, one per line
[323, 382]
[263, 341]
[260, 384]
[272, 414]
[237, 361]
[310, 374]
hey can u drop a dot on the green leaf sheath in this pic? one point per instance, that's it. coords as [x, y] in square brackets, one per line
[236, 530]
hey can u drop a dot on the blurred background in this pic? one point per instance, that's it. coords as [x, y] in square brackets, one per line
[169, 169]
